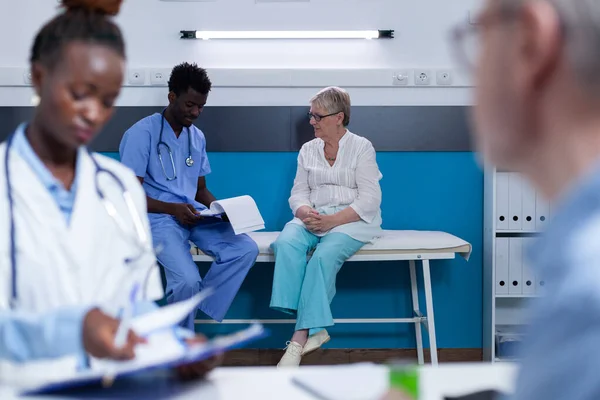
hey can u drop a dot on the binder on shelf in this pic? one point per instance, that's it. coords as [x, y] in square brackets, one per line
[539, 280]
[529, 281]
[529, 200]
[515, 265]
[542, 209]
[502, 200]
[501, 266]
[515, 202]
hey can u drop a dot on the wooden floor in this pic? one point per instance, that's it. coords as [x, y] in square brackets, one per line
[264, 357]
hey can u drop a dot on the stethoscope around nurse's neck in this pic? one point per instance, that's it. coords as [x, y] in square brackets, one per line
[189, 161]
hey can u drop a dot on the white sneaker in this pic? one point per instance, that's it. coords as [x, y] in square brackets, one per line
[292, 356]
[316, 341]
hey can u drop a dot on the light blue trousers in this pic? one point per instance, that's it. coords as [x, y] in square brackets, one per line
[234, 255]
[305, 289]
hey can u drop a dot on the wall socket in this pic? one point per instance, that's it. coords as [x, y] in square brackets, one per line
[159, 77]
[443, 78]
[136, 77]
[401, 78]
[27, 78]
[422, 77]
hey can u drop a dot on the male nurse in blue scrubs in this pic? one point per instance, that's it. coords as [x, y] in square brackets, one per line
[168, 154]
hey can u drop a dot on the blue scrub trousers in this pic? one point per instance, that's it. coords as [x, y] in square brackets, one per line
[233, 255]
[306, 289]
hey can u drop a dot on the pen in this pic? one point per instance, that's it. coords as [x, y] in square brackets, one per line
[123, 329]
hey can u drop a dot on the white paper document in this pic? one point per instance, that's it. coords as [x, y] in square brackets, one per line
[157, 328]
[363, 381]
[168, 316]
[241, 211]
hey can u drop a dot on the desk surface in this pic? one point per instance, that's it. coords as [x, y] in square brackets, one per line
[269, 383]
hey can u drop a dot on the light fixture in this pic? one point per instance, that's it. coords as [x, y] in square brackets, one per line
[207, 35]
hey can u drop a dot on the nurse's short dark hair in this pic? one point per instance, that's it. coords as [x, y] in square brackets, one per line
[83, 21]
[185, 76]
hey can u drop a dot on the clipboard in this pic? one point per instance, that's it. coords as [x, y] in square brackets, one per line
[195, 354]
[159, 322]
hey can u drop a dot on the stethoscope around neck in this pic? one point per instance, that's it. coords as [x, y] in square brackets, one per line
[189, 161]
[140, 239]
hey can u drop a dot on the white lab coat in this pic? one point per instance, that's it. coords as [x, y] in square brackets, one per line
[79, 264]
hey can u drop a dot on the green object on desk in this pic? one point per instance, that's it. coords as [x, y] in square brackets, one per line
[405, 377]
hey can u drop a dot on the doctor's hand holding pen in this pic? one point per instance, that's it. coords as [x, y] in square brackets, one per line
[99, 331]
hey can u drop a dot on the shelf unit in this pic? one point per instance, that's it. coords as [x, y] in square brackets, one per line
[513, 214]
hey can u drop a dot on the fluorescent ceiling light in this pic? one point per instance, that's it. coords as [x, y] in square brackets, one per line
[206, 35]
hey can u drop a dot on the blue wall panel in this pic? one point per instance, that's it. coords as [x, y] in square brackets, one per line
[421, 190]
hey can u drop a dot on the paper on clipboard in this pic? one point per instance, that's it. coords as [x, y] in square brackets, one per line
[168, 316]
[192, 354]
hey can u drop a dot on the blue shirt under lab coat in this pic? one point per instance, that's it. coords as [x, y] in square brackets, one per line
[26, 336]
[139, 151]
[65, 199]
[561, 353]
[29, 336]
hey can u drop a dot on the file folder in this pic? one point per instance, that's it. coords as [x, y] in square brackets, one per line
[542, 209]
[501, 266]
[528, 214]
[515, 265]
[515, 202]
[529, 282]
[539, 287]
[502, 201]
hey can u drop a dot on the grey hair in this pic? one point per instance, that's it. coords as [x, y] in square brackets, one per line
[333, 99]
[580, 21]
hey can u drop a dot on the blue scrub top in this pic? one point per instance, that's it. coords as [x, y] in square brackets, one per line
[138, 151]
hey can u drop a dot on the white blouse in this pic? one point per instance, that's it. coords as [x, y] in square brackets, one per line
[352, 181]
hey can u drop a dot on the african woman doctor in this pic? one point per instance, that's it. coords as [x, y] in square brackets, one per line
[336, 201]
[62, 249]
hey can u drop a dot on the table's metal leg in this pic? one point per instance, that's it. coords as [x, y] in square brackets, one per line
[429, 306]
[417, 312]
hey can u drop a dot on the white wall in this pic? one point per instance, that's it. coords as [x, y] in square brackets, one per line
[152, 28]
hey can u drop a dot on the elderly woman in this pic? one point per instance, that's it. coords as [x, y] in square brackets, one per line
[336, 204]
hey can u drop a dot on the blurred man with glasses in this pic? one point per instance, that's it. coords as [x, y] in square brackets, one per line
[537, 69]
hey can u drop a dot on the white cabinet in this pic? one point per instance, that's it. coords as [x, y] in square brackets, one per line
[514, 213]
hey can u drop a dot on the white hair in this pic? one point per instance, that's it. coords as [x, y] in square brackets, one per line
[333, 99]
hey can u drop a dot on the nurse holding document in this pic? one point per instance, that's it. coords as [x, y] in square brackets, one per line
[74, 226]
[168, 155]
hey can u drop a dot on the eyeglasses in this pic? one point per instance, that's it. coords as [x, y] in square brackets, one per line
[466, 39]
[318, 118]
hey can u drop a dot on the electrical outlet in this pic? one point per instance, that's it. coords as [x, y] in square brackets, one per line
[444, 77]
[27, 77]
[401, 78]
[422, 77]
[136, 77]
[159, 77]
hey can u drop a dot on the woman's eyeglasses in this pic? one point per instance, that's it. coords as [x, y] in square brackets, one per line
[318, 117]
